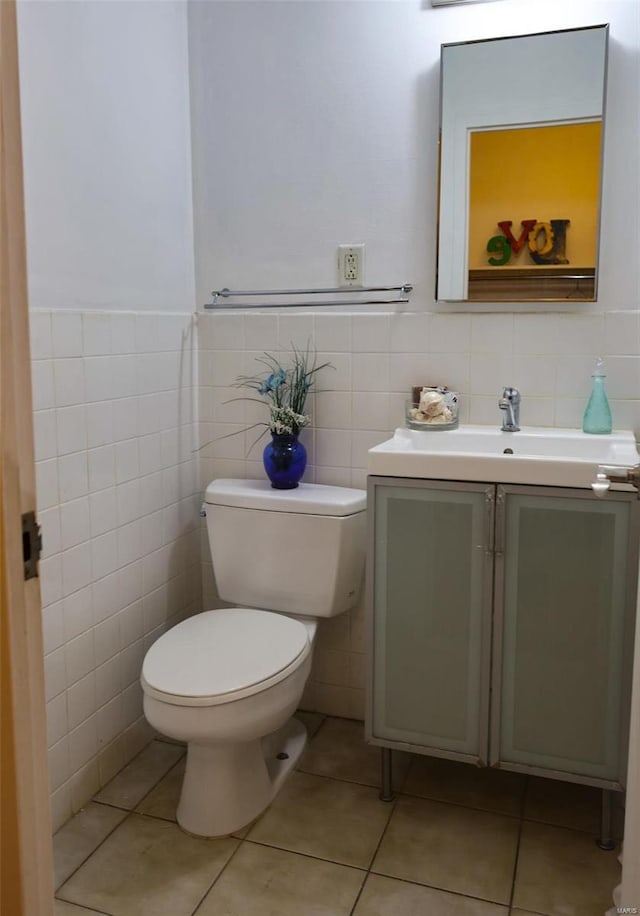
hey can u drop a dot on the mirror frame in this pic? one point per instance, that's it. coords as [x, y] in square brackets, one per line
[536, 64]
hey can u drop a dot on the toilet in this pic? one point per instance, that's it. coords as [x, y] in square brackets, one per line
[228, 681]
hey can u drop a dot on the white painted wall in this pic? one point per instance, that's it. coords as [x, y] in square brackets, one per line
[315, 123]
[107, 160]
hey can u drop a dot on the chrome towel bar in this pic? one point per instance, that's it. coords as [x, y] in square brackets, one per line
[220, 295]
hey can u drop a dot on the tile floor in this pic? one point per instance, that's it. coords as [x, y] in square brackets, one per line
[456, 841]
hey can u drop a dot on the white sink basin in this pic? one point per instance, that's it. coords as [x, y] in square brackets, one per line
[538, 455]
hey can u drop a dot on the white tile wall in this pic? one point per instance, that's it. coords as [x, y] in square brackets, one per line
[118, 499]
[119, 493]
[378, 357]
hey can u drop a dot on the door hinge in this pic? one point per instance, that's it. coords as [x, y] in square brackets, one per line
[31, 544]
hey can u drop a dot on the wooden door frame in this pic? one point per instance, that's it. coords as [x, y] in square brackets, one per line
[27, 878]
[629, 890]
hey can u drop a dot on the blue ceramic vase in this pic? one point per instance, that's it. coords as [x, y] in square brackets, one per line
[285, 459]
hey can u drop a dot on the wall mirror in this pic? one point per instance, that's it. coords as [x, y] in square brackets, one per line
[521, 134]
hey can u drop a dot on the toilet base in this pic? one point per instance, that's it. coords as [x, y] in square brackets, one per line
[226, 786]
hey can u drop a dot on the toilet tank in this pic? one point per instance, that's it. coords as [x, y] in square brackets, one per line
[299, 551]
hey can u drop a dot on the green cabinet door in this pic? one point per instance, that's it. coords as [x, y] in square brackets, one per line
[430, 590]
[563, 632]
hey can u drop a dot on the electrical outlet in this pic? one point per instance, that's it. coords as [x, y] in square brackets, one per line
[351, 265]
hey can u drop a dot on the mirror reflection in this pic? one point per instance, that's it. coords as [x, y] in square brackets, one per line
[521, 167]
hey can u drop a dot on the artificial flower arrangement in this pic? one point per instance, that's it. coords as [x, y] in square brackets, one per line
[286, 390]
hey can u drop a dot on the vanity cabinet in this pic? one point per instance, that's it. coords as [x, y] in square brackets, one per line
[501, 625]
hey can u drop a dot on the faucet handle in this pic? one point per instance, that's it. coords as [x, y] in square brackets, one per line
[510, 404]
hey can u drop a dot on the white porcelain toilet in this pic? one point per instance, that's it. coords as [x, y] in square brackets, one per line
[228, 681]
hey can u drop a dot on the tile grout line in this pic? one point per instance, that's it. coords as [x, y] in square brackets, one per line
[88, 909]
[349, 782]
[241, 841]
[523, 803]
[458, 804]
[316, 732]
[220, 873]
[305, 855]
[246, 839]
[399, 794]
[129, 764]
[375, 853]
[367, 871]
[88, 856]
[156, 784]
[393, 805]
[129, 811]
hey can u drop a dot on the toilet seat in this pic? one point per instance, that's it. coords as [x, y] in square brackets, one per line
[220, 656]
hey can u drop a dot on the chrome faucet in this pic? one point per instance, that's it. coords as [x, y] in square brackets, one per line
[510, 404]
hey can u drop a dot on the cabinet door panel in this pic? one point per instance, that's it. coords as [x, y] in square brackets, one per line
[563, 592]
[431, 593]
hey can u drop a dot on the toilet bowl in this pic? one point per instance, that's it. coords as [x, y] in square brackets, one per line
[228, 681]
[222, 681]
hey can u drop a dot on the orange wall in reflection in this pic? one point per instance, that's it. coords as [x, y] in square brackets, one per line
[540, 173]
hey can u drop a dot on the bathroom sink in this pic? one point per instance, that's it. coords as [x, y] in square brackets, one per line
[534, 455]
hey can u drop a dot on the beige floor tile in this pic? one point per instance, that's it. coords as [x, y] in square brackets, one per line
[311, 721]
[465, 784]
[148, 867]
[140, 776]
[60, 908]
[567, 804]
[562, 872]
[323, 817]
[452, 848]
[339, 750]
[79, 837]
[262, 881]
[389, 897]
[163, 800]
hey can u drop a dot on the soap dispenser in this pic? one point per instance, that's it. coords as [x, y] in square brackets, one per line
[597, 416]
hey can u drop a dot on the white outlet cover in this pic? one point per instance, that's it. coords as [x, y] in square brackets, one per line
[351, 256]
[456, 2]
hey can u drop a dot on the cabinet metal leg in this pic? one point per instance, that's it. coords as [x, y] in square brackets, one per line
[605, 840]
[386, 793]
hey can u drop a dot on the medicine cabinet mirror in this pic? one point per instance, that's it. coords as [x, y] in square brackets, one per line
[521, 135]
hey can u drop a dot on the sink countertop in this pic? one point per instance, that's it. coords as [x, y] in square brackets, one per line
[542, 456]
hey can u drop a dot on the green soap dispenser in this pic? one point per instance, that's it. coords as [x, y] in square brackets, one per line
[597, 416]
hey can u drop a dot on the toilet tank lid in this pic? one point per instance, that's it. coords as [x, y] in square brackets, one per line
[306, 498]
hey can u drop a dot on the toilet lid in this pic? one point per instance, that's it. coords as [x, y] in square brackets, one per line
[224, 654]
